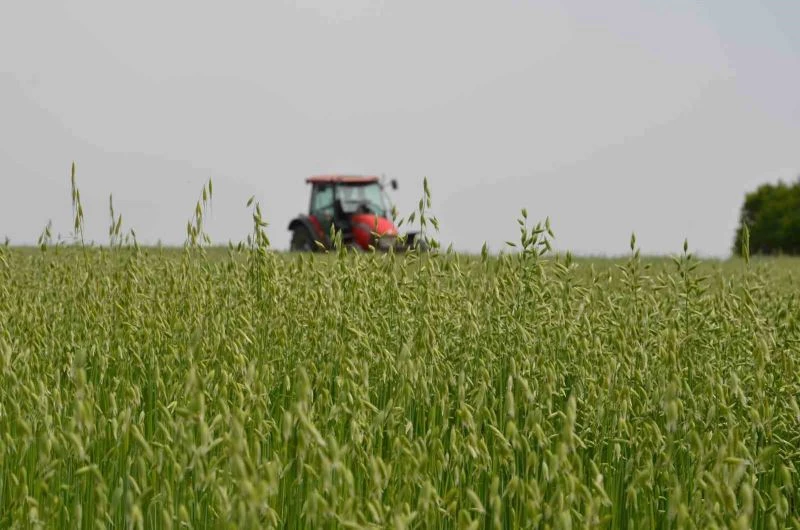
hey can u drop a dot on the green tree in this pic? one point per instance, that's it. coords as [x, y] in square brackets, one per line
[772, 215]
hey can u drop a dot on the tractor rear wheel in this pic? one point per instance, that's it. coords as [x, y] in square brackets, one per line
[302, 241]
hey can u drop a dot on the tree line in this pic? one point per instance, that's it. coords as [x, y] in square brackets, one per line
[771, 214]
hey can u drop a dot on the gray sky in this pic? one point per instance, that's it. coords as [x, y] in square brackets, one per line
[609, 117]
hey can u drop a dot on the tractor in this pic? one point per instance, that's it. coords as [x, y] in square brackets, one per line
[356, 207]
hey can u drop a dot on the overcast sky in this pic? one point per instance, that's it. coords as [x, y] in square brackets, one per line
[608, 117]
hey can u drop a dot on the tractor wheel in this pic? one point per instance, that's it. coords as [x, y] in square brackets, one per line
[302, 241]
[354, 247]
[412, 243]
[422, 245]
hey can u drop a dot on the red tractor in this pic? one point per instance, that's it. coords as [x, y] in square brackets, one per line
[355, 206]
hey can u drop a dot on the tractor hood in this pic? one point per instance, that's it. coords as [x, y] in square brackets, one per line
[374, 223]
[364, 225]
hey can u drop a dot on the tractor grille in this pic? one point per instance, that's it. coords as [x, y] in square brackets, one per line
[385, 242]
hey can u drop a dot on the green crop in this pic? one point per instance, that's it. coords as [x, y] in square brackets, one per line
[144, 388]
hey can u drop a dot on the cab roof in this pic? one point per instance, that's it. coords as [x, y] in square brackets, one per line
[342, 179]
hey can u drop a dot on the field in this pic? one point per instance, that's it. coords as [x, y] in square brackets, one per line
[142, 388]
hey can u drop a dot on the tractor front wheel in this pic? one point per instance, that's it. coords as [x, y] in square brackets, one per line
[413, 242]
[302, 241]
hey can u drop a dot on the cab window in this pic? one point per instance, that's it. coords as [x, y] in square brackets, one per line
[322, 200]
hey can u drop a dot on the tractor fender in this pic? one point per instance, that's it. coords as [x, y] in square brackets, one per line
[311, 224]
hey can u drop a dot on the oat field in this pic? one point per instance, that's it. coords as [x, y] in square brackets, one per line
[145, 388]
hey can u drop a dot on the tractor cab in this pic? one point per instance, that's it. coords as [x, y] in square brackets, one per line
[345, 198]
[355, 206]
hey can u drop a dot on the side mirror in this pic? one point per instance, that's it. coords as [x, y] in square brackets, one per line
[393, 183]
